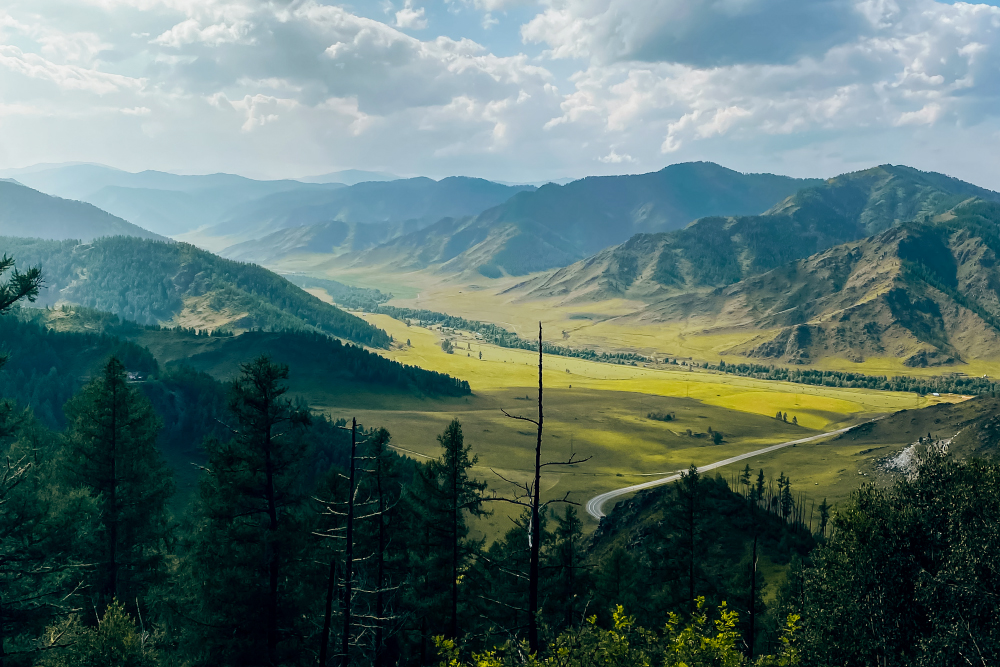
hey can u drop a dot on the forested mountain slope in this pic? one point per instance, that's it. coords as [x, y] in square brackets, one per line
[154, 282]
[556, 225]
[52, 353]
[717, 251]
[27, 211]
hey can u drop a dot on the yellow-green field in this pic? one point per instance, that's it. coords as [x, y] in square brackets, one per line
[600, 411]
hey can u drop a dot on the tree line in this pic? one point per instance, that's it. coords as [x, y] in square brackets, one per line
[943, 384]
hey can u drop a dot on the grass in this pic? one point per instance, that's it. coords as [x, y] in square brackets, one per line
[599, 410]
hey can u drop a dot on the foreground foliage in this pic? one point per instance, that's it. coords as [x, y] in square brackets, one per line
[698, 643]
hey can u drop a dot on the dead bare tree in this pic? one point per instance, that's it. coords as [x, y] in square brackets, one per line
[372, 622]
[528, 495]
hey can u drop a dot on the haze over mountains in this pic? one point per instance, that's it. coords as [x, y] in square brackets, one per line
[556, 225]
[27, 212]
[238, 208]
[888, 261]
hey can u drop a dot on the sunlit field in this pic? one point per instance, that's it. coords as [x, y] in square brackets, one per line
[600, 410]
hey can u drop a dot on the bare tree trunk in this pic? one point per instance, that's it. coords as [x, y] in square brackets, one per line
[380, 583]
[349, 548]
[455, 511]
[753, 582]
[536, 529]
[328, 613]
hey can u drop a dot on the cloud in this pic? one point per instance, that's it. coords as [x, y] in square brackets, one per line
[260, 109]
[554, 88]
[615, 158]
[934, 61]
[68, 77]
[697, 32]
[191, 32]
[410, 18]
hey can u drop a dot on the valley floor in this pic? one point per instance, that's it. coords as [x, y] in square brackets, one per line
[600, 410]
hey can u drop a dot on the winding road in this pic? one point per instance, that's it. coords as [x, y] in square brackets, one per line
[596, 504]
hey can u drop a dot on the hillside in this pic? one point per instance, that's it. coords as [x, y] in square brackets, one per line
[24, 210]
[717, 251]
[420, 199]
[154, 282]
[556, 225]
[333, 238]
[926, 293]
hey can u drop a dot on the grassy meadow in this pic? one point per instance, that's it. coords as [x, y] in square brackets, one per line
[600, 411]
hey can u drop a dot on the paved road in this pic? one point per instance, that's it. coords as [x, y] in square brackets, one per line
[595, 505]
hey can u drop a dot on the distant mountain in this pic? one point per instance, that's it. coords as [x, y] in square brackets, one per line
[927, 293]
[26, 211]
[421, 199]
[717, 251]
[334, 238]
[917, 279]
[169, 204]
[153, 282]
[557, 225]
[350, 177]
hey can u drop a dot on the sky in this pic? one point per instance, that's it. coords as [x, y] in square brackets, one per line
[511, 90]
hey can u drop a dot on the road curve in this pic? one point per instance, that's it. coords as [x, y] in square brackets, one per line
[595, 505]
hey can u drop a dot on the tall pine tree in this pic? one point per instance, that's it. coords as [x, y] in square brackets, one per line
[246, 547]
[112, 452]
[446, 497]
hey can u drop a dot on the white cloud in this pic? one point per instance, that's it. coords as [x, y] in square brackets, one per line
[410, 18]
[191, 32]
[257, 84]
[935, 60]
[614, 158]
[261, 109]
[927, 115]
[68, 77]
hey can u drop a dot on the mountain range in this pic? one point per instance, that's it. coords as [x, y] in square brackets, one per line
[558, 224]
[887, 262]
[238, 208]
[421, 201]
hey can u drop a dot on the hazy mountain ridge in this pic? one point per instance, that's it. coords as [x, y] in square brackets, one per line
[170, 204]
[24, 210]
[335, 238]
[555, 224]
[421, 199]
[153, 282]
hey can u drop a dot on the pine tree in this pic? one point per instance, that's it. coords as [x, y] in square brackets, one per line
[246, 548]
[112, 453]
[447, 496]
[44, 529]
[566, 571]
[824, 517]
[687, 497]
